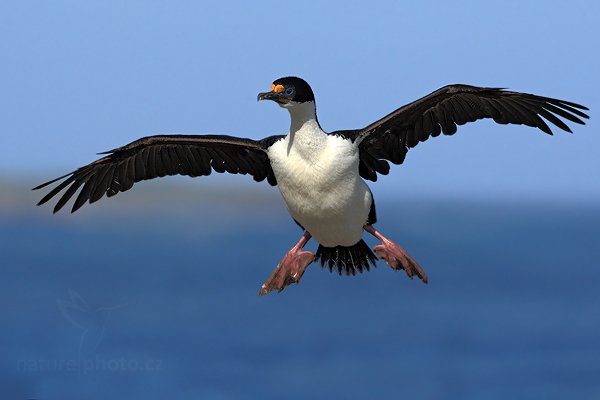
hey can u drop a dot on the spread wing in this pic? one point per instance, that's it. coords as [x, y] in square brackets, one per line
[389, 138]
[157, 156]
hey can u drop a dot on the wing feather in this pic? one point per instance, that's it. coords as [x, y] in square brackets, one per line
[442, 111]
[157, 156]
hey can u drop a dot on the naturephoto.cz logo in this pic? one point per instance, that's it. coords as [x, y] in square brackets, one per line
[91, 322]
[89, 365]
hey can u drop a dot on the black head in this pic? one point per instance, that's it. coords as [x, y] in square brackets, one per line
[288, 90]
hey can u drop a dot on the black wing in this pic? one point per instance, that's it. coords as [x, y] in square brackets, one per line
[441, 111]
[156, 156]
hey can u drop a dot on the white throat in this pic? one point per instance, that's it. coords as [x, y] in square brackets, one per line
[302, 114]
[306, 137]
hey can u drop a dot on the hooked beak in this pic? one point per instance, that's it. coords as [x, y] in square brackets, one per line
[276, 94]
[265, 96]
[277, 97]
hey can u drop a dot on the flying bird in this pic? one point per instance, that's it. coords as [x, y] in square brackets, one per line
[321, 175]
[91, 321]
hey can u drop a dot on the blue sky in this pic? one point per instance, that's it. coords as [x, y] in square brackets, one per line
[80, 77]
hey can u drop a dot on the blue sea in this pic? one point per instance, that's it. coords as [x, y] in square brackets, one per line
[149, 306]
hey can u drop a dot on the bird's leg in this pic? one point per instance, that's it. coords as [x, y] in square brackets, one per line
[291, 268]
[395, 256]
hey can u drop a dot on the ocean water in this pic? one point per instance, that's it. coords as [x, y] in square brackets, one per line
[167, 307]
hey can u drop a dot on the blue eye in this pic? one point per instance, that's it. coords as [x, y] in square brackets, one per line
[289, 91]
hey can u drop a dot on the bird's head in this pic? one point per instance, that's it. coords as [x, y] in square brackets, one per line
[289, 92]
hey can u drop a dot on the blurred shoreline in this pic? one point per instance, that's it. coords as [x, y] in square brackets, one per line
[242, 198]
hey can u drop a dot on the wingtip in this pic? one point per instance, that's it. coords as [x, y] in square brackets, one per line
[43, 185]
[57, 207]
[43, 200]
[76, 206]
[575, 105]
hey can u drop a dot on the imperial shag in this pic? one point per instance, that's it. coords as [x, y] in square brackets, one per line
[320, 175]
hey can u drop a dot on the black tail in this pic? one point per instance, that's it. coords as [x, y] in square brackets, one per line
[350, 259]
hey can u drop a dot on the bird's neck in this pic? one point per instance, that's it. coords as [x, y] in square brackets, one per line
[306, 136]
[303, 117]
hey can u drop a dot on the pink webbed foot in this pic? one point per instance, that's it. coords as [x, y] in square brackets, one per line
[396, 257]
[290, 269]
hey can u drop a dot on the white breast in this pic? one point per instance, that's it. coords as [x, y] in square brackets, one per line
[317, 175]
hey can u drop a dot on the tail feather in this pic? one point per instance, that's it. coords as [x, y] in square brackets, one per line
[348, 259]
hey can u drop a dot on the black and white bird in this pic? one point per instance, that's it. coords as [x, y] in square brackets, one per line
[320, 175]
